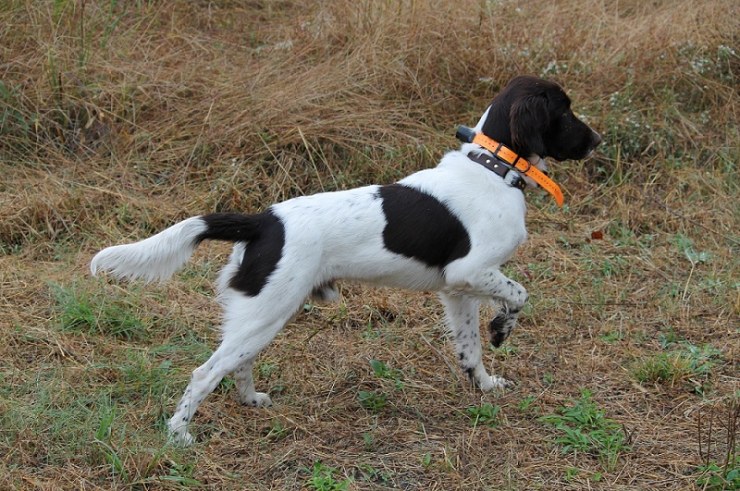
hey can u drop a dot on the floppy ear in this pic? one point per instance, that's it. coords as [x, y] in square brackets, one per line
[528, 120]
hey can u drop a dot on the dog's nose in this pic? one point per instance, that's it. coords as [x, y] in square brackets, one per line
[595, 139]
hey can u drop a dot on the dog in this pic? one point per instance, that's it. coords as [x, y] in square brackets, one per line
[447, 229]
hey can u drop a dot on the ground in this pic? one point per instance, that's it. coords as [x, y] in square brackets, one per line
[118, 119]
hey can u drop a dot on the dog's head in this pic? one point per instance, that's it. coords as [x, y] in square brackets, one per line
[532, 116]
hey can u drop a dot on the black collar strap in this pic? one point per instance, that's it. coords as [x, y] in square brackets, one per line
[500, 168]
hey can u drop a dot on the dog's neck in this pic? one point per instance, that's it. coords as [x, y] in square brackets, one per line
[534, 159]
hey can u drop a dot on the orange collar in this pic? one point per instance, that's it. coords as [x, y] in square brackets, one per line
[506, 154]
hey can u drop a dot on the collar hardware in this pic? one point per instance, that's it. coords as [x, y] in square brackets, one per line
[510, 175]
[511, 158]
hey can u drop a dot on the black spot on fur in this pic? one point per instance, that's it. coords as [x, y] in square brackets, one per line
[264, 235]
[233, 227]
[421, 227]
[261, 255]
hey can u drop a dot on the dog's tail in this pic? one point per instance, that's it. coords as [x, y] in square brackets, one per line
[160, 256]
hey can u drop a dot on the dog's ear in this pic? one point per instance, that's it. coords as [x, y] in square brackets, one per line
[528, 119]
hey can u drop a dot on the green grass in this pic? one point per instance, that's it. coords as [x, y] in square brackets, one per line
[716, 477]
[584, 428]
[486, 414]
[107, 135]
[373, 401]
[77, 310]
[381, 370]
[323, 479]
[683, 362]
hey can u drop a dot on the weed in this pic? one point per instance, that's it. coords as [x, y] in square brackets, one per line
[612, 337]
[140, 377]
[266, 369]
[323, 479]
[368, 440]
[526, 404]
[373, 401]
[381, 370]
[571, 473]
[585, 428]
[371, 474]
[686, 246]
[713, 477]
[686, 362]
[103, 439]
[486, 414]
[505, 351]
[277, 430]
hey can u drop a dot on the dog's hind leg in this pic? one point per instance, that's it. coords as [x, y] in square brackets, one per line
[250, 324]
[246, 393]
[462, 312]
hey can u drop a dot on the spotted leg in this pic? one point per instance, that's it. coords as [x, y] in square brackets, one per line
[462, 315]
[246, 394]
[512, 296]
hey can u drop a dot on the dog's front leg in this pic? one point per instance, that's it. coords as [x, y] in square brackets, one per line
[494, 285]
[463, 319]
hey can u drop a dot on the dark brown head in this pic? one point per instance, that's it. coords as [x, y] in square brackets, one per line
[532, 116]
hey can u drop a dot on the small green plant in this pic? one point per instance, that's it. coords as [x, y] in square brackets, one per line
[686, 362]
[526, 404]
[486, 414]
[612, 337]
[571, 473]
[548, 378]
[505, 351]
[277, 430]
[266, 369]
[714, 477]
[381, 370]
[585, 428]
[322, 479]
[371, 474]
[686, 246]
[373, 401]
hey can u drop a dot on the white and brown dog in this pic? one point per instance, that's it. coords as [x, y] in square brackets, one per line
[447, 229]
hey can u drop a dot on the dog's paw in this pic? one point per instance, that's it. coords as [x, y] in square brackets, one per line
[258, 399]
[494, 382]
[180, 437]
[500, 328]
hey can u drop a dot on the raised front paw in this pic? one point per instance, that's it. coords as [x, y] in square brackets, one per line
[500, 328]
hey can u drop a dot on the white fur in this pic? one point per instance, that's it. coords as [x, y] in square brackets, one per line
[155, 258]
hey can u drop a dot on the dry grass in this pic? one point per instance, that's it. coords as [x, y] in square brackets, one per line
[119, 118]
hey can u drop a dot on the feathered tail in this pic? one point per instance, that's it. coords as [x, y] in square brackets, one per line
[160, 256]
